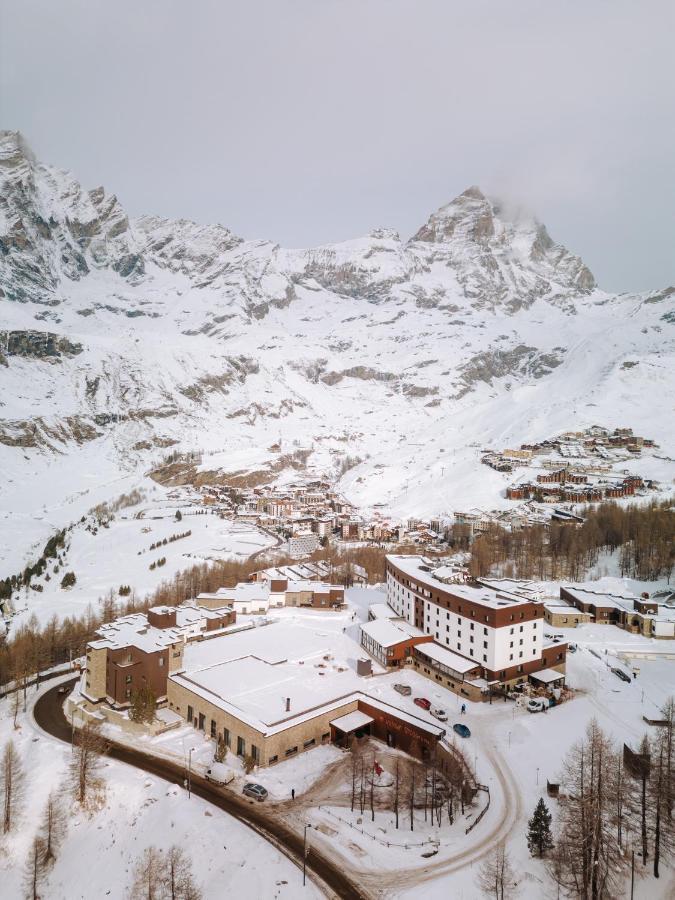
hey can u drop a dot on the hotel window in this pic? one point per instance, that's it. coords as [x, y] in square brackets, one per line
[190, 714]
[128, 679]
[520, 655]
[485, 657]
[160, 662]
[214, 729]
[484, 630]
[241, 746]
[254, 752]
[485, 645]
[226, 736]
[510, 656]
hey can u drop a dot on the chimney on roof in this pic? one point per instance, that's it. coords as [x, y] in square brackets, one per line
[288, 704]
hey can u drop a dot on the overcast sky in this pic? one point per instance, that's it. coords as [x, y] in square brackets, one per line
[307, 121]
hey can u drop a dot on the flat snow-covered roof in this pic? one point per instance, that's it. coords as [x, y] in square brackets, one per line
[448, 658]
[421, 570]
[352, 721]
[389, 632]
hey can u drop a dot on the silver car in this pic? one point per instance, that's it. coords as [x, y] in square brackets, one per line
[255, 791]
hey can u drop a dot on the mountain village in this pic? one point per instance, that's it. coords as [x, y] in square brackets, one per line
[337, 609]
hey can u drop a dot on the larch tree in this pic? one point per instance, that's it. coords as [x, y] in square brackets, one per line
[52, 828]
[34, 869]
[177, 878]
[149, 876]
[587, 860]
[85, 767]
[496, 877]
[11, 781]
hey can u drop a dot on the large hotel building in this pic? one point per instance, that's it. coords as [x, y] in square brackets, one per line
[499, 632]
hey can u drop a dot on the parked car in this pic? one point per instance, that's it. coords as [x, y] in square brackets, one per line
[462, 730]
[255, 791]
[404, 689]
[572, 648]
[219, 774]
[536, 704]
[439, 714]
[423, 702]
[621, 674]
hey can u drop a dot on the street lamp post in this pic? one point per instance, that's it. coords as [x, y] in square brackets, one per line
[305, 851]
[537, 774]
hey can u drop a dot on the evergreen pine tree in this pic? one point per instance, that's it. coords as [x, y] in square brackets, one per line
[539, 838]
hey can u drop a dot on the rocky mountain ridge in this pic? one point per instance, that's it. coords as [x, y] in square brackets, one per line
[477, 328]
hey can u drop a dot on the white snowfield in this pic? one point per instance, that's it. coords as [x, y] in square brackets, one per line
[100, 850]
[122, 337]
[119, 553]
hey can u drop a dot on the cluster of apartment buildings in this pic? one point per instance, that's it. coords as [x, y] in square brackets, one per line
[566, 485]
[652, 616]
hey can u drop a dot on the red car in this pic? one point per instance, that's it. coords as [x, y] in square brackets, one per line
[423, 702]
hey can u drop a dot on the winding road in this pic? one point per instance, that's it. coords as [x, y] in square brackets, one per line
[336, 877]
[49, 716]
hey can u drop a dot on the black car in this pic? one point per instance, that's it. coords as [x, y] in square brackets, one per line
[621, 674]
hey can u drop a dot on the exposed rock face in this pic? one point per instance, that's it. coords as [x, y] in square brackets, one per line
[501, 261]
[168, 333]
[37, 345]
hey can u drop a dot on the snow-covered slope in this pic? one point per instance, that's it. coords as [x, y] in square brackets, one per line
[121, 338]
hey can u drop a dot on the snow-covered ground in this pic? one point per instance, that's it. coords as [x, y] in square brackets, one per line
[100, 849]
[513, 751]
[119, 553]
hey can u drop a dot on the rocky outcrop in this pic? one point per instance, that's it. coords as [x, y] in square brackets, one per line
[37, 345]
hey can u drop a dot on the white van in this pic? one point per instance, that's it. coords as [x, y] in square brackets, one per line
[536, 704]
[219, 774]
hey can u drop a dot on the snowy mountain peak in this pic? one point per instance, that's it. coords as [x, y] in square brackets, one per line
[501, 259]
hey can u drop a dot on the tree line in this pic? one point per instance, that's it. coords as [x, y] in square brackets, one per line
[32, 648]
[642, 535]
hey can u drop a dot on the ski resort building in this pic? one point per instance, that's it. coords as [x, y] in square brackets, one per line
[639, 615]
[280, 689]
[258, 597]
[141, 650]
[489, 638]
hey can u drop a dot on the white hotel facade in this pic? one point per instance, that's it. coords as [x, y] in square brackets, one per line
[499, 632]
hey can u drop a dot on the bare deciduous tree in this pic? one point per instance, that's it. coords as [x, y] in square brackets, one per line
[90, 745]
[148, 876]
[496, 877]
[11, 779]
[164, 877]
[587, 859]
[34, 869]
[178, 880]
[52, 828]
